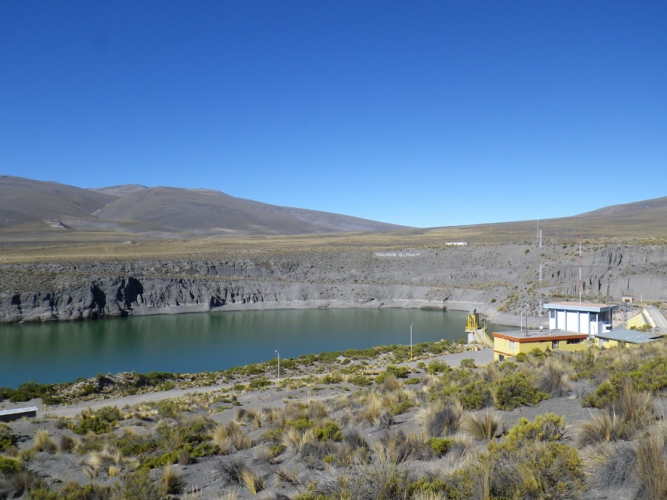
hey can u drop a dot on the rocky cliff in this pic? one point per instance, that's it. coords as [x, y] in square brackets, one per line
[493, 278]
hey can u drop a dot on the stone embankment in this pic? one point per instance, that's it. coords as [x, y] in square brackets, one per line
[499, 280]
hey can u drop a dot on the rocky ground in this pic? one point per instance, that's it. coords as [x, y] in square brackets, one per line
[351, 431]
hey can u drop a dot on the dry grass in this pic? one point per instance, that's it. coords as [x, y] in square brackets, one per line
[482, 426]
[604, 427]
[552, 378]
[295, 439]
[612, 465]
[43, 442]
[231, 434]
[441, 418]
[652, 466]
[253, 481]
[171, 480]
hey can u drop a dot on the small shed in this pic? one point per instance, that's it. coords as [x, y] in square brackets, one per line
[18, 413]
[624, 338]
[627, 296]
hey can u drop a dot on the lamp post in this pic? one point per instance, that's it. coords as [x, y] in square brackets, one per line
[411, 341]
[278, 366]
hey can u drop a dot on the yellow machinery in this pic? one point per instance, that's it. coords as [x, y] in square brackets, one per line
[476, 333]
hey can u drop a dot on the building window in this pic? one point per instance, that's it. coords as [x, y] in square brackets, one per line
[512, 344]
[594, 318]
[552, 314]
[575, 341]
[554, 344]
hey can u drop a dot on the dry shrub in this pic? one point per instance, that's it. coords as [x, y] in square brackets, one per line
[317, 410]
[636, 407]
[231, 471]
[652, 465]
[441, 419]
[295, 439]
[481, 425]
[604, 427]
[552, 379]
[249, 416]
[231, 434]
[44, 443]
[287, 476]
[397, 447]
[273, 415]
[67, 444]
[253, 481]
[611, 465]
[171, 481]
[367, 482]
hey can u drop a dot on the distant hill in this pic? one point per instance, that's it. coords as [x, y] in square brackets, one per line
[206, 211]
[24, 201]
[159, 211]
[121, 190]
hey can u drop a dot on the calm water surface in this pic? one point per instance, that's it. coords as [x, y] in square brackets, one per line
[58, 352]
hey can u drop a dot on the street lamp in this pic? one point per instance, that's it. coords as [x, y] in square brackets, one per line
[278, 366]
[411, 341]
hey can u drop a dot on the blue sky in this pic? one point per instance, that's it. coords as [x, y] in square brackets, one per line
[417, 113]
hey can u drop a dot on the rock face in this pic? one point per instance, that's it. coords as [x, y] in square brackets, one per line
[494, 279]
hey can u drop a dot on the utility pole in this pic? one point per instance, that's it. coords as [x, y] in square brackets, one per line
[411, 341]
[278, 366]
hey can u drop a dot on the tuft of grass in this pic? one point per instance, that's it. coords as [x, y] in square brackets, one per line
[652, 466]
[612, 464]
[604, 427]
[481, 425]
[253, 481]
[441, 419]
[552, 379]
[43, 442]
[171, 481]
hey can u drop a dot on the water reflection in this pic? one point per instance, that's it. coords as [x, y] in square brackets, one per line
[55, 352]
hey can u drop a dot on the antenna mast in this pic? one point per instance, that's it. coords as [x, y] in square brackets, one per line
[539, 290]
[580, 282]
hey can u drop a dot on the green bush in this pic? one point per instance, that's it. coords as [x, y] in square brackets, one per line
[331, 431]
[547, 427]
[531, 463]
[521, 357]
[516, 390]
[71, 491]
[7, 439]
[398, 371]
[360, 380]
[440, 445]
[259, 383]
[99, 422]
[9, 465]
[437, 367]
[474, 396]
[468, 363]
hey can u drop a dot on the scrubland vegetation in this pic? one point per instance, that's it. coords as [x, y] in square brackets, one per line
[368, 427]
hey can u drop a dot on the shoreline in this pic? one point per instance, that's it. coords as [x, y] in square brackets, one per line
[491, 314]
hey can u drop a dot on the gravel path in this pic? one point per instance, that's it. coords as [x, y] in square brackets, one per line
[481, 357]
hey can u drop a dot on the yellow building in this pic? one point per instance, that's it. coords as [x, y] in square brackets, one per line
[509, 344]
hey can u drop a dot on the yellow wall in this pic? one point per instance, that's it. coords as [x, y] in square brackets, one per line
[502, 347]
[641, 320]
[612, 343]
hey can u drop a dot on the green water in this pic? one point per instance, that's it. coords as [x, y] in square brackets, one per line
[58, 352]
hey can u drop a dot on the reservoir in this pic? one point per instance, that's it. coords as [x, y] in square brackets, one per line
[187, 343]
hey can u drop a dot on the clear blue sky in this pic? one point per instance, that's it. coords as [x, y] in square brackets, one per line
[418, 113]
